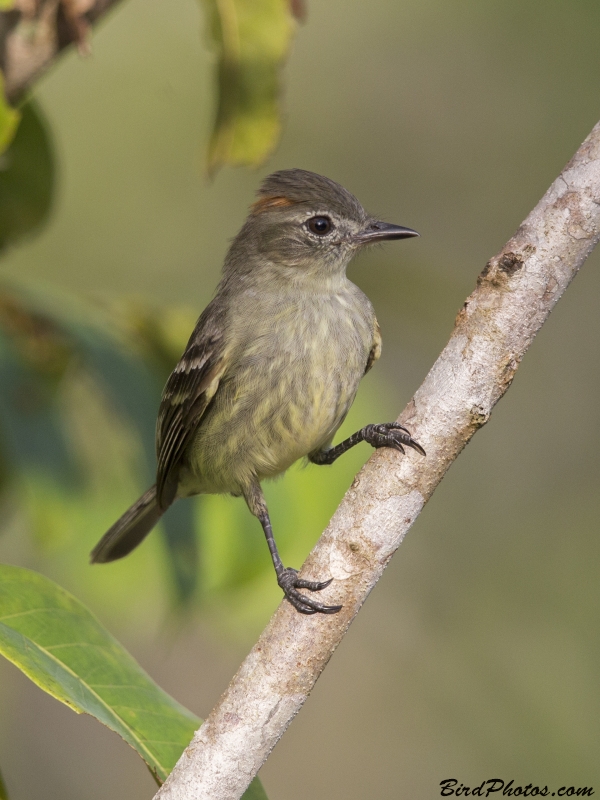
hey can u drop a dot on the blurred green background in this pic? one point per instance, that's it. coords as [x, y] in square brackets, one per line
[477, 654]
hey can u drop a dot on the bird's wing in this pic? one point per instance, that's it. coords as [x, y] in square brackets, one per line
[375, 349]
[186, 396]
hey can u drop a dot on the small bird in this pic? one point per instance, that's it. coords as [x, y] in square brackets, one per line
[272, 366]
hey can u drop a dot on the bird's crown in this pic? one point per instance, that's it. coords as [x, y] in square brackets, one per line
[290, 187]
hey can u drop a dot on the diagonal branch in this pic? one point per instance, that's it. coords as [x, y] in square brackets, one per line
[514, 295]
[35, 32]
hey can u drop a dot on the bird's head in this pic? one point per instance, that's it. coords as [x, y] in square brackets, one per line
[307, 222]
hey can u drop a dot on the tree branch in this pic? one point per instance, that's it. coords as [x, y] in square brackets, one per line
[514, 295]
[35, 32]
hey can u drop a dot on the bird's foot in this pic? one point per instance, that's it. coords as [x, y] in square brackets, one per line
[289, 581]
[390, 434]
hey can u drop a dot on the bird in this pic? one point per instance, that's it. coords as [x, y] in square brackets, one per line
[272, 366]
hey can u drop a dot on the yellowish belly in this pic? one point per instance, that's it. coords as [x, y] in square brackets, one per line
[288, 394]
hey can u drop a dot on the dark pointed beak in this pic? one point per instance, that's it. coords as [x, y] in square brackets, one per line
[382, 231]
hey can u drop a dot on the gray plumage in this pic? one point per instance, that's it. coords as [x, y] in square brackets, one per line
[273, 364]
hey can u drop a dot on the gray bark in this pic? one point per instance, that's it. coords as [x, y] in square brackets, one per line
[514, 295]
[34, 33]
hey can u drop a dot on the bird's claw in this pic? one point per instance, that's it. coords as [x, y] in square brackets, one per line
[289, 581]
[391, 434]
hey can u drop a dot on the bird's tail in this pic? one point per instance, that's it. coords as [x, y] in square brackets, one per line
[129, 530]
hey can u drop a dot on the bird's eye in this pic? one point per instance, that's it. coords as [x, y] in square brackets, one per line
[319, 225]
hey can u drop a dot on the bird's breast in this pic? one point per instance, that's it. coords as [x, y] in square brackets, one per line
[293, 378]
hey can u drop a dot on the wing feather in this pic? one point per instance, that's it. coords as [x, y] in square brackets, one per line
[186, 396]
[375, 349]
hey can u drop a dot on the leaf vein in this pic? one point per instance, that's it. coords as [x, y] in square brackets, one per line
[30, 644]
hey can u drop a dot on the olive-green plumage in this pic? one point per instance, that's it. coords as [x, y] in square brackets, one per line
[292, 365]
[273, 364]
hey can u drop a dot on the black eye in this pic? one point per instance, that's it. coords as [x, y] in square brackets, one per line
[320, 225]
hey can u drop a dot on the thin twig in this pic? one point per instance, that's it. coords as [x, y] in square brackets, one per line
[35, 32]
[514, 295]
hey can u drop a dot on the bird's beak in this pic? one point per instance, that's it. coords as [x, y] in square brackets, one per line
[382, 231]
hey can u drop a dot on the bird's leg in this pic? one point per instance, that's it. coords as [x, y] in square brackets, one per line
[384, 434]
[287, 577]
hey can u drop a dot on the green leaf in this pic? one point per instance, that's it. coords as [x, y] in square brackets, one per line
[45, 342]
[254, 792]
[26, 176]
[9, 116]
[62, 648]
[134, 384]
[31, 428]
[251, 39]
[178, 527]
